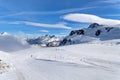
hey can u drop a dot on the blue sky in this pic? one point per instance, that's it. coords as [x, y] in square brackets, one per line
[55, 16]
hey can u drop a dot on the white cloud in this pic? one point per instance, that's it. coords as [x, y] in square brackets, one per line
[58, 25]
[44, 31]
[7, 22]
[88, 18]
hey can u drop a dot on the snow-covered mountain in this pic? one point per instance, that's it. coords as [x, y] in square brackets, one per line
[97, 60]
[10, 42]
[95, 32]
[44, 40]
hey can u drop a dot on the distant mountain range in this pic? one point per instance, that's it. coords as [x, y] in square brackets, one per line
[46, 40]
[94, 32]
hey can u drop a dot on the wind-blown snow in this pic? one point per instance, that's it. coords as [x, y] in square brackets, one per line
[9, 42]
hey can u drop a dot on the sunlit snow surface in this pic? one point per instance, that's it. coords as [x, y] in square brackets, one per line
[90, 61]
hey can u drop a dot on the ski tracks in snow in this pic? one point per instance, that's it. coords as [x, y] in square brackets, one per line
[95, 62]
[19, 75]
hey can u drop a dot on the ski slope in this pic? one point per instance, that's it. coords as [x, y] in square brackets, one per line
[74, 62]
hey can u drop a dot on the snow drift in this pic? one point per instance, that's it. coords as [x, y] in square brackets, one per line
[9, 42]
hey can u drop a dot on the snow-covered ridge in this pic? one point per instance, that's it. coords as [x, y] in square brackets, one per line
[45, 40]
[95, 32]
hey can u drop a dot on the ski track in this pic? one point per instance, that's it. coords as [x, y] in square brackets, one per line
[20, 75]
[93, 64]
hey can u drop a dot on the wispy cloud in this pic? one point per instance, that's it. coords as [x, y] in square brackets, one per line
[9, 22]
[12, 14]
[88, 18]
[47, 12]
[115, 4]
[106, 4]
[44, 31]
[57, 25]
[110, 1]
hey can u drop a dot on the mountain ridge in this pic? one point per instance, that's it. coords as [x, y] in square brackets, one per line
[94, 32]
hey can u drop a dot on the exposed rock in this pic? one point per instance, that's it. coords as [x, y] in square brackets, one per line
[108, 28]
[3, 67]
[63, 42]
[94, 25]
[78, 32]
[98, 32]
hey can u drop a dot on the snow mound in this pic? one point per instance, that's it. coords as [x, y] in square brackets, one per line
[10, 43]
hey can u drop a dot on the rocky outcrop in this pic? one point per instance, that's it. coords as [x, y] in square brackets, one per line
[77, 32]
[108, 28]
[94, 25]
[98, 32]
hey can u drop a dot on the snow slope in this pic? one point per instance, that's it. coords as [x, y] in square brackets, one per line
[76, 62]
[7, 70]
[10, 43]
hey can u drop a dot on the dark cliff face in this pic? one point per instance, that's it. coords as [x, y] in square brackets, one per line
[77, 32]
[94, 25]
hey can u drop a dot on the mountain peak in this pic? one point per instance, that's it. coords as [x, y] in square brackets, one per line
[94, 25]
[4, 33]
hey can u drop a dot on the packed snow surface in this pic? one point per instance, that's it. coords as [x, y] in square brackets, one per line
[90, 61]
